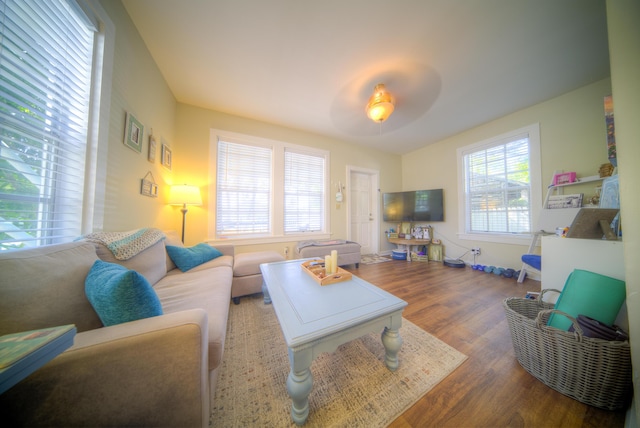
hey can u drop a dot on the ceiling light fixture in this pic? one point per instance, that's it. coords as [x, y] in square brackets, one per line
[381, 104]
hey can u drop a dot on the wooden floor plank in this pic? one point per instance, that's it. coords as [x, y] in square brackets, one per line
[463, 308]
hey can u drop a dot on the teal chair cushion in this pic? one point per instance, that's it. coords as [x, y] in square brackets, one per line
[587, 293]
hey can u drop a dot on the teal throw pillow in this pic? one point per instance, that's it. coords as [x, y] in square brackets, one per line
[188, 258]
[120, 295]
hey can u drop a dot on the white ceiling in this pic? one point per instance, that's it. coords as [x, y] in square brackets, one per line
[312, 65]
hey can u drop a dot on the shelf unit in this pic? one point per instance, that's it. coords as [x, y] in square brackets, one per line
[550, 219]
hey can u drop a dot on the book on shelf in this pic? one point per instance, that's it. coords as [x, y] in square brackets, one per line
[565, 201]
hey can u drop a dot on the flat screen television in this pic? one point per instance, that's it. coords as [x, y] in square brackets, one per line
[413, 206]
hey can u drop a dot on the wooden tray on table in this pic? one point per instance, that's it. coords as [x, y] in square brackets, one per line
[315, 268]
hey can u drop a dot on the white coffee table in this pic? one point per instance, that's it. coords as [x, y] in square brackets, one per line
[316, 319]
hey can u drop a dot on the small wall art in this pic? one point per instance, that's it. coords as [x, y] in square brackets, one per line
[148, 186]
[611, 130]
[134, 133]
[609, 195]
[166, 156]
[152, 149]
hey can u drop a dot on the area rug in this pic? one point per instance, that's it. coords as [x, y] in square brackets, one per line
[351, 386]
[370, 259]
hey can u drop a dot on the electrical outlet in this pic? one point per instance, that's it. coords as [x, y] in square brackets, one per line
[475, 251]
[286, 252]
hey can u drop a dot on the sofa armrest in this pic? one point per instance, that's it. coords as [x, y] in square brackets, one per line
[226, 249]
[150, 372]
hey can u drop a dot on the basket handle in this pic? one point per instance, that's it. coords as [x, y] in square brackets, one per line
[545, 291]
[577, 330]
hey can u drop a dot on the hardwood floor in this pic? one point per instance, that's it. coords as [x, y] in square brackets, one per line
[463, 308]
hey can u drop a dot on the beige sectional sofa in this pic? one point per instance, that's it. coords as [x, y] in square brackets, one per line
[158, 371]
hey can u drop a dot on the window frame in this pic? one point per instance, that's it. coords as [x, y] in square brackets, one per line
[277, 190]
[533, 132]
[95, 140]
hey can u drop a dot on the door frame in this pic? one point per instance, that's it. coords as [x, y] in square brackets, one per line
[374, 181]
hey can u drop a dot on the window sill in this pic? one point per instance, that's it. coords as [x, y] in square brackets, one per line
[268, 240]
[504, 238]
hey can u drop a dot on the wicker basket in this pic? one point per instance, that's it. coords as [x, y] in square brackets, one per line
[593, 371]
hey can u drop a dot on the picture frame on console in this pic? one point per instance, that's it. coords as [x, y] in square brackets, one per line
[609, 195]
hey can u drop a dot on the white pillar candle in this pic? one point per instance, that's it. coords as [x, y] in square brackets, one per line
[327, 265]
[334, 261]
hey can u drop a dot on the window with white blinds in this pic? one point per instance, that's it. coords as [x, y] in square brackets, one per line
[303, 192]
[268, 189]
[243, 190]
[46, 52]
[497, 180]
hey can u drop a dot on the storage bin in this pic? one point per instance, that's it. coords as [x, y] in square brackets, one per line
[593, 371]
[399, 254]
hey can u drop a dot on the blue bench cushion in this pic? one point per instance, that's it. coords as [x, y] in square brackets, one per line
[533, 260]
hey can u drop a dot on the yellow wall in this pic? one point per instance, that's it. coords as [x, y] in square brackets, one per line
[572, 134]
[572, 138]
[193, 166]
[137, 87]
[624, 50]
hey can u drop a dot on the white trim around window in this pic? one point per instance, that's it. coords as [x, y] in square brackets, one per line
[532, 132]
[276, 230]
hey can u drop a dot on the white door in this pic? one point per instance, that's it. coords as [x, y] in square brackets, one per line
[363, 208]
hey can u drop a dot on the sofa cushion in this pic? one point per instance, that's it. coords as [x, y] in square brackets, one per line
[188, 258]
[218, 261]
[245, 264]
[150, 263]
[120, 295]
[44, 286]
[171, 238]
[208, 289]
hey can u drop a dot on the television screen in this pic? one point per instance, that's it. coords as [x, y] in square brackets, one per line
[413, 206]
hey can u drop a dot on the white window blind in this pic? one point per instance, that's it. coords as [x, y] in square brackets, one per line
[266, 190]
[46, 51]
[244, 182]
[498, 187]
[303, 192]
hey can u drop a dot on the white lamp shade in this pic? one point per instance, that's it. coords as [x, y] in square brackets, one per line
[184, 195]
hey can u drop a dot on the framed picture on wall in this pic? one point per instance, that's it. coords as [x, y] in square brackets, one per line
[166, 156]
[133, 133]
[152, 149]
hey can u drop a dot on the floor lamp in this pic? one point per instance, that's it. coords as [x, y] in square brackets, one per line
[184, 195]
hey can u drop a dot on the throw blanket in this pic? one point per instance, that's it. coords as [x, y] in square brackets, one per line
[303, 244]
[125, 245]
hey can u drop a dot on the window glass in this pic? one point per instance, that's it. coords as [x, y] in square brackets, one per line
[498, 180]
[46, 51]
[303, 192]
[243, 189]
[267, 189]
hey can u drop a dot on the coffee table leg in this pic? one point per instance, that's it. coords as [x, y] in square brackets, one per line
[392, 343]
[265, 293]
[299, 385]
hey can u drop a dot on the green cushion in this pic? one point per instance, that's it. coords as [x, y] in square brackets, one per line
[591, 294]
[120, 295]
[188, 258]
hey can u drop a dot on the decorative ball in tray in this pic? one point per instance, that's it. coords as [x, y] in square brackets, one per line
[316, 269]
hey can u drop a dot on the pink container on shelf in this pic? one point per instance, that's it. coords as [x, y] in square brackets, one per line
[564, 178]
